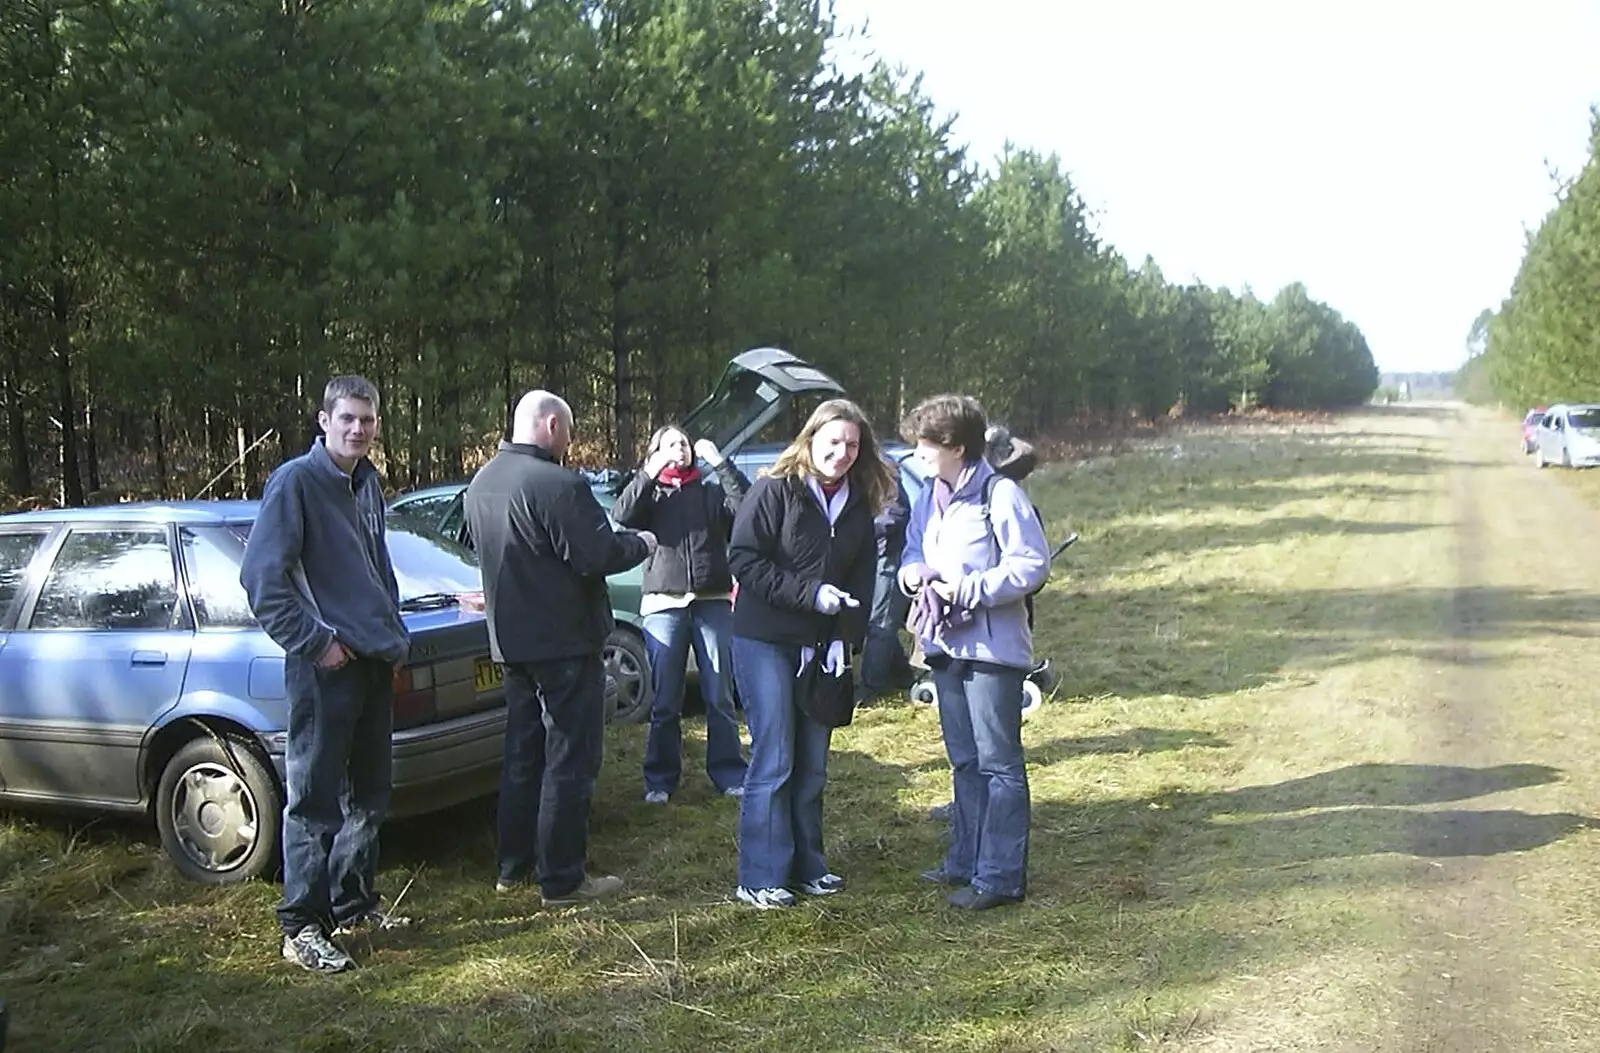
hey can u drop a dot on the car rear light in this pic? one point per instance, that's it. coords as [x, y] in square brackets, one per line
[415, 701]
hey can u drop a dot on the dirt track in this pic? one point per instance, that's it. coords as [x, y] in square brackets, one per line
[1498, 934]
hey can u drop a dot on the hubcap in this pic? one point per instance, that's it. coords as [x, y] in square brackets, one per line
[624, 670]
[215, 817]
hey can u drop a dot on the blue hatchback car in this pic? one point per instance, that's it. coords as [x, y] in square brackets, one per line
[134, 678]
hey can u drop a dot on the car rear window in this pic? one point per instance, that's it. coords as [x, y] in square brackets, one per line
[1584, 419]
[211, 560]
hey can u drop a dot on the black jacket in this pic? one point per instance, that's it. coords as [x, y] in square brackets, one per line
[545, 547]
[692, 524]
[784, 549]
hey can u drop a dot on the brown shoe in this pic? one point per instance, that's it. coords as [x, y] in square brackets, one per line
[590, 889]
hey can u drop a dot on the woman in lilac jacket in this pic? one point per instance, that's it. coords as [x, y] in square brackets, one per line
[974, 552]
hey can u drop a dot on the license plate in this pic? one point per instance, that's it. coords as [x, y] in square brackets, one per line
[487, 675]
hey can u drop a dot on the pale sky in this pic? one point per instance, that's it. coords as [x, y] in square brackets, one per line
[1390, 155]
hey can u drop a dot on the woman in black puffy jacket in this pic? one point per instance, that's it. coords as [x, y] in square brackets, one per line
[805, 556]
[686, 602]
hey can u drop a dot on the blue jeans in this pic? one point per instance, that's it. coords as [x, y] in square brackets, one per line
[667, 637]
[780, 817]
[338, 768]
[980, 712]
[555, 742]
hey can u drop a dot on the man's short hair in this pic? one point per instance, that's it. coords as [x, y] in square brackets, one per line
[349, 387]
[952, 421]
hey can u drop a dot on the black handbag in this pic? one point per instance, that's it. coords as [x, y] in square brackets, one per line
[827, 699]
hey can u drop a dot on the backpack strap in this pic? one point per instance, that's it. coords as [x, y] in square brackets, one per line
[988, 517]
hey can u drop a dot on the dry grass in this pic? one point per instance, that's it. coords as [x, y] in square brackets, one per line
[1233, 807]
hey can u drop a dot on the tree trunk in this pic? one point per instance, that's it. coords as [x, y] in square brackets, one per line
[91, 446]
[20, 475]
[71, 492]
[621, 361]
[161, 452]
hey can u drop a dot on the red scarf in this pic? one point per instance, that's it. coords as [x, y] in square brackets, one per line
[829, 489]
[677, 476]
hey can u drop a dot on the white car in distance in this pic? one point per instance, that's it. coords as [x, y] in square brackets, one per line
[1569, 435]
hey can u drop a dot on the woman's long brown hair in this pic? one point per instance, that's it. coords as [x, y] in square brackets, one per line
[869, 475]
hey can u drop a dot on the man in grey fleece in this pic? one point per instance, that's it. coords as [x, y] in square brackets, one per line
[318, 576]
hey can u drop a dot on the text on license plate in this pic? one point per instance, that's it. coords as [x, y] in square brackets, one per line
[487, 675]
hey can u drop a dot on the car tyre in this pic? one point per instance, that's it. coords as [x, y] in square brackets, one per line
[219, 811]
[1538, 458]
[628, 666]
[1032, 698]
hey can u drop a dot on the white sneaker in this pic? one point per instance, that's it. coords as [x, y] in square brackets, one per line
[591, 889]
[765, 898]
[736, 790]
[312, 951]
[656, 797]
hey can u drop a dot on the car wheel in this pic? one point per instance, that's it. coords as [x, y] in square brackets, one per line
[1032, 698]
[628, 666]
[219, 811]
[1566, 456]
[1538, 457]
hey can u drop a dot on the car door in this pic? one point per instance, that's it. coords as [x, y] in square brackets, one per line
[19, 550]
[99, 651]
[756, 387]
[1546, 437]
[1558, 438]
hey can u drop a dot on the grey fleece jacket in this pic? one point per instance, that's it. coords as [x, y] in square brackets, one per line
[317, 567]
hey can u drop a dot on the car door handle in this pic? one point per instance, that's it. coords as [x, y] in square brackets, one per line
[149, 658]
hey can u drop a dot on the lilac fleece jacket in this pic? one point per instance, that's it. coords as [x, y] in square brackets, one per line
[956, 544]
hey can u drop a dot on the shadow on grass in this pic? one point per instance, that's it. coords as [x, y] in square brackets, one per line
[885, 965]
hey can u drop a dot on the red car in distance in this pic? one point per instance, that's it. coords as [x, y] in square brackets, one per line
[1530, 424]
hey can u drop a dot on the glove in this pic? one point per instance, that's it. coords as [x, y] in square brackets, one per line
[836, 660]
[915, 575]
[707, 451]
[830, 599]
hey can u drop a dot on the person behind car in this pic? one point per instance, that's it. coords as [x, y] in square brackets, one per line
[974, 551]
[545, 547]
[802, 552]
[687, 601]
[319, 581]
[885, 667]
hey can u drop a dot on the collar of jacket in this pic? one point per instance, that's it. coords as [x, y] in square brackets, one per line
[798, 485]
[531, 449]
[975, 473]
[331, 470]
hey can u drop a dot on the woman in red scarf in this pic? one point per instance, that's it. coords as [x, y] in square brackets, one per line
[686, 602]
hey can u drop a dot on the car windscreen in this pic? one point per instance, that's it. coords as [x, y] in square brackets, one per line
[1584, 419]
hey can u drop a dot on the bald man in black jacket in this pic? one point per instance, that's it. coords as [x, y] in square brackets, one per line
[546, 547]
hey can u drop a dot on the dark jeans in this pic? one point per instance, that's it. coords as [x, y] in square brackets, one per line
[884, 665]
[707, 625]
[555, 741]
[780, 817]
[338, 765]
[980, 713]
